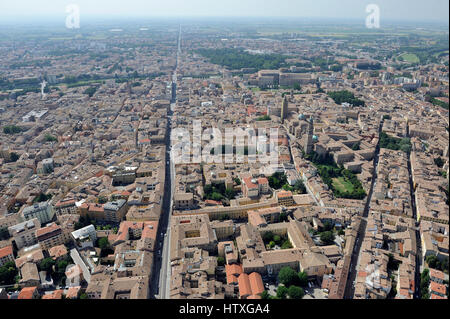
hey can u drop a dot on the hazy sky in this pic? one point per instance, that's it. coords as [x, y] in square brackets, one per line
[400, 10]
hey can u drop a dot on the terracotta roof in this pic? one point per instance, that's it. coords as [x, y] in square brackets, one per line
[233, 269]
[150, 230]
[248, 182]
[65, 202]
[47, 230]
[263, 180]
[6, 251]
[244, 286]
[437, 274]
[122, 234]
[436, 287]
[256, 283]
[400, 247]
[122, 193]
[57, 294]
[284, 194]
[27, 293]
[96, 208]
[232, 280]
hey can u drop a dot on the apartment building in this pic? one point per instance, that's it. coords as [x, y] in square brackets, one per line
[42, 211]
[24, 234]
[115, 211]
[51, 236]
[65, 206]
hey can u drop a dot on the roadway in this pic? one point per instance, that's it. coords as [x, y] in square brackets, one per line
[350, 288]
[417, 230]
[160, 283]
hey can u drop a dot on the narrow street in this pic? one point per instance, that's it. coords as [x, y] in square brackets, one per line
[417, 230]
[350, 288]
[160, 283]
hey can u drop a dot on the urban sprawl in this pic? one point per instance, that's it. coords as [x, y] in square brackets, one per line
[93, 204]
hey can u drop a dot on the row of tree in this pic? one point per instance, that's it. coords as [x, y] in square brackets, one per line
[346, 97]
[236, 59]
[394, 143]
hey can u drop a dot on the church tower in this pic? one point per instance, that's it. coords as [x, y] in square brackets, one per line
[309, 145]
[284, 109]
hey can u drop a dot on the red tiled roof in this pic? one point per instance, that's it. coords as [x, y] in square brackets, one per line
[263, 180]
[65, 202]
[244, 286]
[46, 230]
[248, 182]
[362, 274]
[150, 230]
[122, 193]
[27, 293]
[251, 110]
[233, 269]
[6, 251]
[436, 287]
[96, 208]
[232, 279]
[256, 283]
[57, 294]
[436, 274]
[284, 194]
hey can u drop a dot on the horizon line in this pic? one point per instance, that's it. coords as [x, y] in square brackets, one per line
[118, 17]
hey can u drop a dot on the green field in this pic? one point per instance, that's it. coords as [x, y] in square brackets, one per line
[410, 57]
[342, 185]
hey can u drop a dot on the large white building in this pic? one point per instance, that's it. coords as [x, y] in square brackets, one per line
[85, 237]
[42, 211]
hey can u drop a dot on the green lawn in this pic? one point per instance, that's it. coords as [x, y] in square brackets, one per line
[342, 185]
[410, 57]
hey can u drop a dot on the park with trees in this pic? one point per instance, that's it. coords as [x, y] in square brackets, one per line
[394, 143]
[341, 181]
[345, 96]
[236, 59]
[271, 241]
